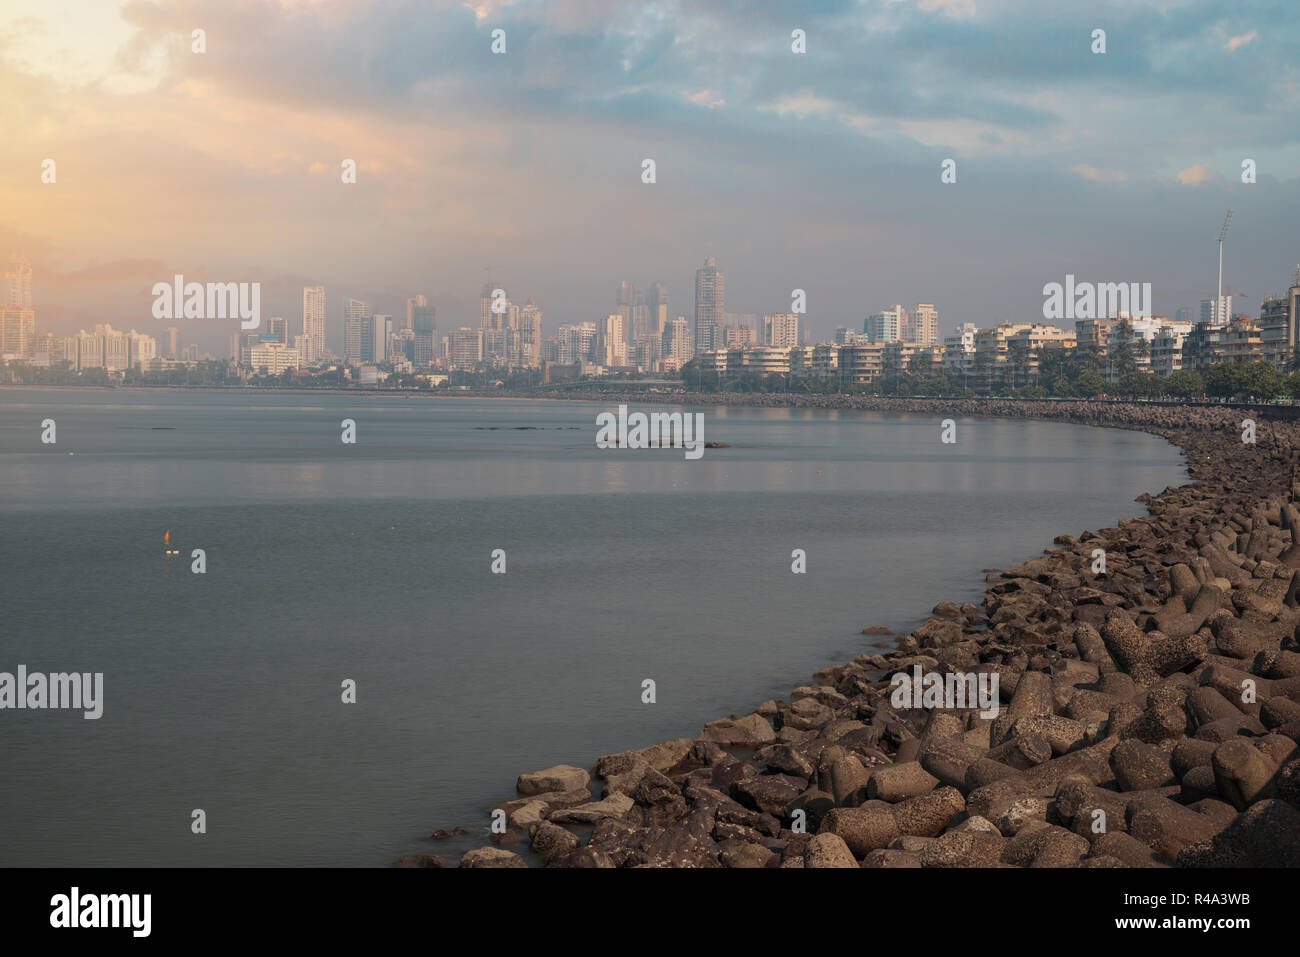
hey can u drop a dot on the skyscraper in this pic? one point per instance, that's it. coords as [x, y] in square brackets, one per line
[530, 335]
[657, 303]
[781, 330]
[313, 322]
[1219, 315]
[490, 318]
[613, 346]
[411, 305]
[278, 329]
[381, 327]
[676, 341]
[356, 330]
[924, 324]
[885, 326]
[710, 305]
[18, 277]
[425, 332]
[629, 298]
[17, 318]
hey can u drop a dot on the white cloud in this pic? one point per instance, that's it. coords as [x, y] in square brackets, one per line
[1198, 174]
[1240, 41]
[1100, 175]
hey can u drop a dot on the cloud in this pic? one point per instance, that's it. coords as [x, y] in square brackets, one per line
[953, 8]
[1240, 41]
[706, 98]
[1199, 174]
[1100, 175]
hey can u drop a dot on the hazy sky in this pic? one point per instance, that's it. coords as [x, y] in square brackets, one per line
[818, 170]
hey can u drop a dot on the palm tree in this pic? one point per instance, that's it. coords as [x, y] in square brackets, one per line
[1019, 359]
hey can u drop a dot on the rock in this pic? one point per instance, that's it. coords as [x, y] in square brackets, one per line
[746, 856]
[769, 792]
[748, 731]
[562, 777]
[586, 857]
[1126, 848]
[1266, 835]
[862, 829]
[946, 609]
[616, 805]
[814, 803]
[491, 857]
[421, 860]
[525, 817]
[1242, 774]
[1139, 766]
[1022, 813]
[1045, 846]
[888, 857]
[848, 780]
[828, 850]
[897, 782]
[1166, 827]
[553, 842]
[926, 815]
[786, 759]
[963, 849]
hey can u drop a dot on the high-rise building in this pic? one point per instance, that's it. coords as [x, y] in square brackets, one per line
[490, 317]
[271, 357]
[959, 351]
[174, 342]
[677, 342]
[381, 327]
[411, 305]
[17, 318]
[885, 326]
[1279, 319]
[425, 331]
[464, 348]
[313, 322]
[575, 343]
[1217, 314]
[17, 331]
[278, 329]
[529, 336]
[356, 330]
[18, 279]
[613, 347]
[657, 304]
[710, 305]
[781, 329]
[923, 324]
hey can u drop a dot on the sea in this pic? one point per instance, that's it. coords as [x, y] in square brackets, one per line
[383, 634]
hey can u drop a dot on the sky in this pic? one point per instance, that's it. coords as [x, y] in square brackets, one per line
[817, 171]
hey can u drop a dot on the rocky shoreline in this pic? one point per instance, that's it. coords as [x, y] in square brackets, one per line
[1148, 716]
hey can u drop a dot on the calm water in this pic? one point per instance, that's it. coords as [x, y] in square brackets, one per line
[372, 562]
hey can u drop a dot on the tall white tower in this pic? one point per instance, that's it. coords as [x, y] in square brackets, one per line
[313, 321]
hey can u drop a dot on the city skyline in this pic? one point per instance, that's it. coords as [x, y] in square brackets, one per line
[791, 170]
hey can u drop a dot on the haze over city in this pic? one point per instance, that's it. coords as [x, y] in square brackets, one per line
[818, 171]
